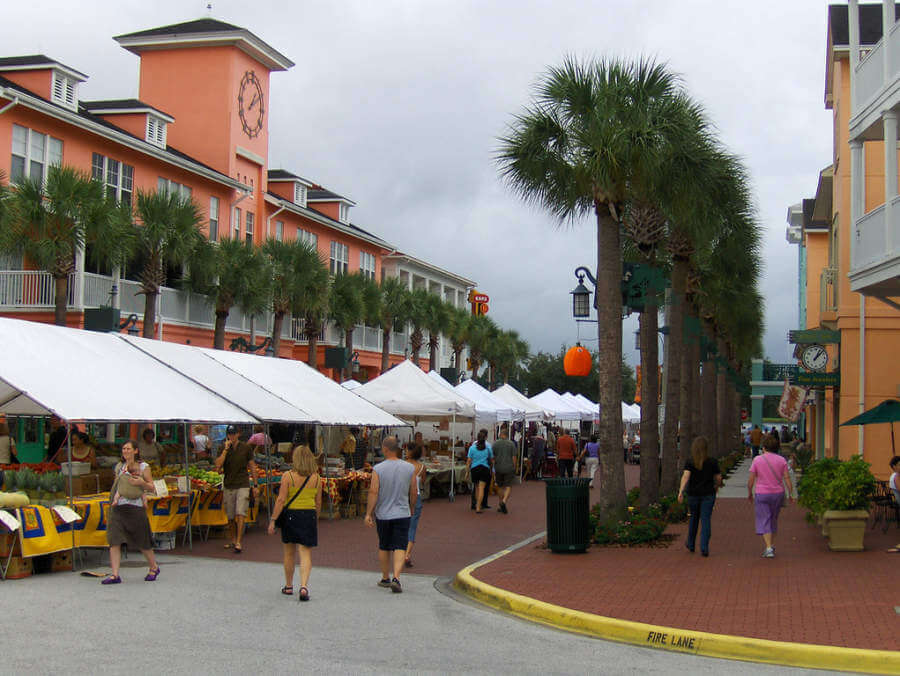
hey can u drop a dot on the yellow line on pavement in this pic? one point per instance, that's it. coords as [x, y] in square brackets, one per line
[678, 640]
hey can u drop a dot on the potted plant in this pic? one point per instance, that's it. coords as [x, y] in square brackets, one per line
[847, 498]
[811, 488]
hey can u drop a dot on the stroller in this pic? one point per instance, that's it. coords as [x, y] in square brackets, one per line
[549, 468]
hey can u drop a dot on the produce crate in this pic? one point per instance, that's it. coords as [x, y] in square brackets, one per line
[87, 484]
[19, 568]
[62, 562]
[78, 468]
[164, 541]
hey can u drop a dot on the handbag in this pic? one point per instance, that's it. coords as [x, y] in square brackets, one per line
[282, 518]
[125, 488]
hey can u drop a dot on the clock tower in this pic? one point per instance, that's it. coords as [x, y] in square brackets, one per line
[213, 79]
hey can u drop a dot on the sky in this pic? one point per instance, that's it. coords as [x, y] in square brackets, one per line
[399, 105]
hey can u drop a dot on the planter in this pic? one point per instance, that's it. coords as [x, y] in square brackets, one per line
[845, 529]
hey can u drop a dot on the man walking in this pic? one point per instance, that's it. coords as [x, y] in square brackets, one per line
[538, 444]
[234, 462]
[565, 452]
[756, 436]
[392, 491]
[504, 467]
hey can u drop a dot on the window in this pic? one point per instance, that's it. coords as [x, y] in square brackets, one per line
[344, 213]
[249, 229]
[63, 91]
[156, 131]
[279, 230]
[165, 185]
[117, 176]
[236, 223]
[300, 194]
[367, 264]
[340, 258]
[307, 237]
[213, 219]
[32, 154]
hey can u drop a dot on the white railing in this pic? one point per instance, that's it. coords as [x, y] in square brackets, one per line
[869, 77]
[868, 248]
[828, 290]
[31, 289]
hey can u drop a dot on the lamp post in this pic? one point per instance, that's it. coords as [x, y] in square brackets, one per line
[581, 295]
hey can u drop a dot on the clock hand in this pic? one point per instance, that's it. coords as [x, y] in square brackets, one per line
[253, 102]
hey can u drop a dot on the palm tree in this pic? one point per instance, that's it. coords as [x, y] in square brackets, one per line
[290, 266]
[48, 223]
[312, 302]
[230, 273]
[592, 131]
[168, 233]
[504, 354]
[481, 333]
[458, 333]
[393, 311]
[437, 321]
[347, 309]
[417, 316]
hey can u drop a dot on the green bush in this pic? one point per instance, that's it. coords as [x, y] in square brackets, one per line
[634, 497]
[813, 484]
[635, 529]
[852, 486]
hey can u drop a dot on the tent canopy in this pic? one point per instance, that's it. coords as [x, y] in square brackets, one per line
[550, 400]
[587, 412]
[517, 400]
[84, 375]
[629, 414]
[594, 408]
[408, 392]
[350, 384]
[486, 402]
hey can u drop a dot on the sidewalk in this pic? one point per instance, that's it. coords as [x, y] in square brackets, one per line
[807, 594]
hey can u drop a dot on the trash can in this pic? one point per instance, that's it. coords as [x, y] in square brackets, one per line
[568, 514]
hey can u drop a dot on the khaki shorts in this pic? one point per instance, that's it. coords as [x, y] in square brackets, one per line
[236, 501]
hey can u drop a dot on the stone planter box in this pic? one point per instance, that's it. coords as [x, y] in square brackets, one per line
[845, 529]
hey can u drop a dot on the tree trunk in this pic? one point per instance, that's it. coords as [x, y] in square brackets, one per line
[60, 299]
[219, 331]
[675, 343]
[696, 397]
[457, 355]
[708, 396]
[649, 322]
[723, 404]
[385, 349]
[348, 346]
[415, 340]
[277, 321]
[312, 355]
[611, 495]
[432, 354]
[150, 314]
[686, 433]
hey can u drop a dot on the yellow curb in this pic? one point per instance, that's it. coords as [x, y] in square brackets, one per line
[677, 640]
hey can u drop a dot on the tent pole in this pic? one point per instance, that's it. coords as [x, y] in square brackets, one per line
[190, 495]
[268, 473]
[452, 496]
[71, 497]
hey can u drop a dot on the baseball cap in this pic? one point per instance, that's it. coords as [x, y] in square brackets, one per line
[231, 430]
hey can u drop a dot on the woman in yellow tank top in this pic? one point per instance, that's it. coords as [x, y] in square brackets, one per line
[300, 496]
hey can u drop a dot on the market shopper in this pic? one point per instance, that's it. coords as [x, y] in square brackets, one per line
[770, 477]
[756, 437]
[504, 467]
[392, 491]
[479, 465]
[235, 461]
[127, 522]
[414, 456]
[538, 446]
[300, 497]
[894, 487]
[201, 441]
[700, 481]
[565, 453]
[590, 456]
[150, 449]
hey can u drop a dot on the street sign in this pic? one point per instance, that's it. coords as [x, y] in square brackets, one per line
[811, 379]
[814, 336]
[480, 298]
[639, 283]
[780, 372]
[483, 308]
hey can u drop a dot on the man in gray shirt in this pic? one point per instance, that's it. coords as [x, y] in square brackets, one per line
[504, 467]
[392, 491]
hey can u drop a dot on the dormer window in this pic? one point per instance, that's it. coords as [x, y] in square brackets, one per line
[64, 91]
[300, 194]
[156, 131]
[344, 213]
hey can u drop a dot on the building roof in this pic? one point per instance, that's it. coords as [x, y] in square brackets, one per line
[327, 221]
[276, 175]
[399, 255]
[321, 195]
[123, 106]
[205, 32]
[35, 62]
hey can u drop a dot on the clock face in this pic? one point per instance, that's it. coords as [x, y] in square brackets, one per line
[814, 358]
[251, 104]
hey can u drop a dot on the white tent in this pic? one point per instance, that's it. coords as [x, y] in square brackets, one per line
[486, 403]
[351, 384]
[629, 414]
[408, 392]
[551, 401]
[636, 411]
[305, 388]
[591, 406]
[517, 400]
[438, 378]
[586, 412]
[85, 375]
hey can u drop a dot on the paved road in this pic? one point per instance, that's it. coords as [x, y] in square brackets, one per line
[217, 616]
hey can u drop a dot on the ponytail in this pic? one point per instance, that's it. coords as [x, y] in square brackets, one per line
[481, 444]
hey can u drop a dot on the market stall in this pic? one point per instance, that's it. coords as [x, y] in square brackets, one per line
[560, 410]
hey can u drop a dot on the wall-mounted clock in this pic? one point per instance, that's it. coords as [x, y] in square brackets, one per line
[251, 104]
[814, 358]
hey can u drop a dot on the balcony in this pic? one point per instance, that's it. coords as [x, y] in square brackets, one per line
[828, 304]
[875, 253]
[876, 90]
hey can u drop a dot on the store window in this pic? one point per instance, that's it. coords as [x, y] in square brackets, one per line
[279, 230]
[344, 213]
[307, 237]
[117, 176]
[236, 223]
[367, 265]
[166, 185]
[32, 154]
[340, 258]
[249, 222]
[213, 219]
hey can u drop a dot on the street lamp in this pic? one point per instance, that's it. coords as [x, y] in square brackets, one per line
[581, 296]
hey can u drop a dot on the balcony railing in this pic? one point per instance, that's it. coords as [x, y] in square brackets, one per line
[828, 290]
[877, 241]
[869, 76]
[31, 289]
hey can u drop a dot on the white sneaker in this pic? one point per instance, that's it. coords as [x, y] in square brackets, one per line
[769, 553]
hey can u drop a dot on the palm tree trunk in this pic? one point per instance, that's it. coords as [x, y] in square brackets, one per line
[723, 407]
[432, 354]
[219, 331]
[611, 495]
[277, 322]
[348, 345]
[708, 396]
[649, 408]
[686, 417]
[150, 314]
[60, 299]
[385, 349]
[457, 355]
[675, 342]
[696, 399]
[312, 355]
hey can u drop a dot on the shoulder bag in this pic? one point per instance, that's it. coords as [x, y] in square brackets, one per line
[282, 518]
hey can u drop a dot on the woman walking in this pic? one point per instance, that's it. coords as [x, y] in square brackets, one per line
[478, 465]
[769, 475]
[128, 523]
[700, 481]
[590, 456]
[300, 498]
[413, 457]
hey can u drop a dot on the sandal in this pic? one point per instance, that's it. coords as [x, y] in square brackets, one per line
[287, 590]
[894, 550]
[152, 575]
[230, 545]
[111, 579]
[237, 549]
[304, 594]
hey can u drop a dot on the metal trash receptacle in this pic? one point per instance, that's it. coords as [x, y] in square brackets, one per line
[568, 514]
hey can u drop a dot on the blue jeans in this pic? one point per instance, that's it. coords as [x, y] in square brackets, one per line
[701, 507]
[414, 521]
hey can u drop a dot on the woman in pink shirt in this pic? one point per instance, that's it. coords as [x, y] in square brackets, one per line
[769, 474]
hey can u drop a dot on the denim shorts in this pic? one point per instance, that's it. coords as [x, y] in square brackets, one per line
[392, 533]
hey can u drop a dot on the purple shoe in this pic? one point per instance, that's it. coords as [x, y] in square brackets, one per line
[152, 575]
[111, 579]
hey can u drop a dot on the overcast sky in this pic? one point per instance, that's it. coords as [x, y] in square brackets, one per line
[398, 106]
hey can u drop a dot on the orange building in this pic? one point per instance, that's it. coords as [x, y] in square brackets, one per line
[198, 126]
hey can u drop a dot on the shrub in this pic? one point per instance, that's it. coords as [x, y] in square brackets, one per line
[852, 486]
[634, 497]
[812, 486]
[635, 529]
[672, 510]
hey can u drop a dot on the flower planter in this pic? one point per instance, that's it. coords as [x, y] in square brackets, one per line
[845, 529]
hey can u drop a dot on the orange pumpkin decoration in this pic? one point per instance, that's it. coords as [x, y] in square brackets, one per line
[577, 361]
